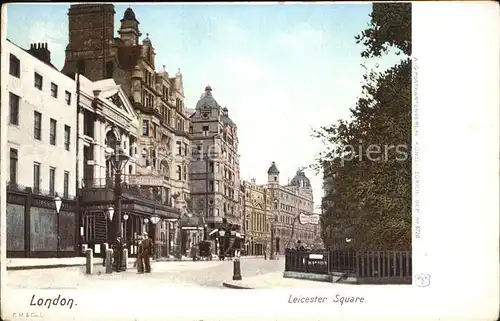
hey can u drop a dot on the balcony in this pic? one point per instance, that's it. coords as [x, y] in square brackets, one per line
[132, 187]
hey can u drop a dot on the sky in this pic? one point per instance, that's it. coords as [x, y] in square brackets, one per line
[282, 70]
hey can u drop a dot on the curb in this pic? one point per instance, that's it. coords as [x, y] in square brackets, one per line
[234, 286]
[47, 266]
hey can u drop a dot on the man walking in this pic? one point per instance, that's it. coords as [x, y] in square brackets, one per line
[147, 250]
[118, 253]
[140, 252]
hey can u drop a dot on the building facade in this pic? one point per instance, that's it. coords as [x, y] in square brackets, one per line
[214, 167]
[257, 217]
[163, 139]
[162, 145]
[41, 139]
[289, 201]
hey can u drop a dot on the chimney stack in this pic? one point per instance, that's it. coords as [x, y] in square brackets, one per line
[40, 51]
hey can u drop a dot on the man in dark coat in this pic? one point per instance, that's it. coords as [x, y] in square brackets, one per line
[147, 251]
[300, 247]
[140, 253]
[118, 253]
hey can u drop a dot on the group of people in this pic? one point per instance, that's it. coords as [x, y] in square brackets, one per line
[144, 252]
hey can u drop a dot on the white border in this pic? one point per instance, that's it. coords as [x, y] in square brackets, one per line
[456, 46]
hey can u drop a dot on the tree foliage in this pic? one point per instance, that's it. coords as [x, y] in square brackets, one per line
[367, 160]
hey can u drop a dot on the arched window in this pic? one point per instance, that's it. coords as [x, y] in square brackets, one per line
[109, 69]
[164, 168]
[111, 142]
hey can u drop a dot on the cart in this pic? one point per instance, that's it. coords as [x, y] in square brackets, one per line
[205, 250]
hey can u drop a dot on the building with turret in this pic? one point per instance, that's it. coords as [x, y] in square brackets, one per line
[278, 206]
[214, 167]
[161, 144]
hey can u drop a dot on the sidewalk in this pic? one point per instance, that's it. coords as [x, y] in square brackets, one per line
[276, 280]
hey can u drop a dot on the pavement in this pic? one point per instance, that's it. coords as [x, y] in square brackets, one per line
[44, 263]
[206, 274]
[275, 280]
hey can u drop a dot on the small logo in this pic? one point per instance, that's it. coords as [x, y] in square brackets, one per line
[423, 280]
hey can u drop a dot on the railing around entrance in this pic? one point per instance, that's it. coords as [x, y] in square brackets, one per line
[373, 267]
[148, 187]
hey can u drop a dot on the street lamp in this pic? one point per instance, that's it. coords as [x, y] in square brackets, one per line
[118, 159]
[58, 202]
[110, 212]
[125, 218]
[275, 218]
[155, 219]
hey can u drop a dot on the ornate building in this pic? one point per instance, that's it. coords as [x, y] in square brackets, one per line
[289, 201]
[163, 139]
[258, 213]
[214, 170]
[161, 144]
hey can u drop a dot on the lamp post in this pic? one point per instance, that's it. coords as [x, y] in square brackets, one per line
[118, 159]
[125, 218]
[110, 211]
[58, 202]
[154, 220]
[273, 221]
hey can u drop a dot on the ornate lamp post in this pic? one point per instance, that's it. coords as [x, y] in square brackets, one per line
[125, 218]
[118, 159]
[58, 202]
[273, 227]
[154, 220]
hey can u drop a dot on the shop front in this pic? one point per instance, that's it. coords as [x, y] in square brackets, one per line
[97, 228]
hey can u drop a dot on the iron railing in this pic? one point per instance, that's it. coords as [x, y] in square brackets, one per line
[367, 266]
[134, 186]
[38, 191]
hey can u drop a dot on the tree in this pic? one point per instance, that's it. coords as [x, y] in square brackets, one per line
[368, 157]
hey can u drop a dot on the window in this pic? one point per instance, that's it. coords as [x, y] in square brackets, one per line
[155, 129]
[67, 137]
[179, 148]
[185, 173]
[52, 180]
[36, 177]
[53, 90]
[66, 184]
[38, 81]
[37, 127]
[145, 128]
[14, 66]
[53, 131]
[14, 109]
[13, 165]
[205, 130]
[179, 172]
[186, 149]
[67, 97]
[109, 69]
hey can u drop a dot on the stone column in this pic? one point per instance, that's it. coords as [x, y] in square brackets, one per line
[98, 138]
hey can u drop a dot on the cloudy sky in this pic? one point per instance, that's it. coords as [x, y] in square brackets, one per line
[280, 69]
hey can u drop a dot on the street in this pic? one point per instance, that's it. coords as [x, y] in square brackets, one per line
[165, 274]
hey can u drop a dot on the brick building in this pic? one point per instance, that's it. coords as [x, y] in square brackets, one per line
[162, 147]
[214, 170]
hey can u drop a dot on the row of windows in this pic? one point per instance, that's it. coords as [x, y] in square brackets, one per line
[215, 186]
[14, 101]
[15, 70]
[13, 171]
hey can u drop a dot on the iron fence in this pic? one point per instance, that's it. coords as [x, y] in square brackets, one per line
[367, 266]
[135, 186]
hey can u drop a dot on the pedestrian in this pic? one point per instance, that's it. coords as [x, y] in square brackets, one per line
[300, 247]
[118, 253]
[147, 251]
[140, 253]
[265, 253]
